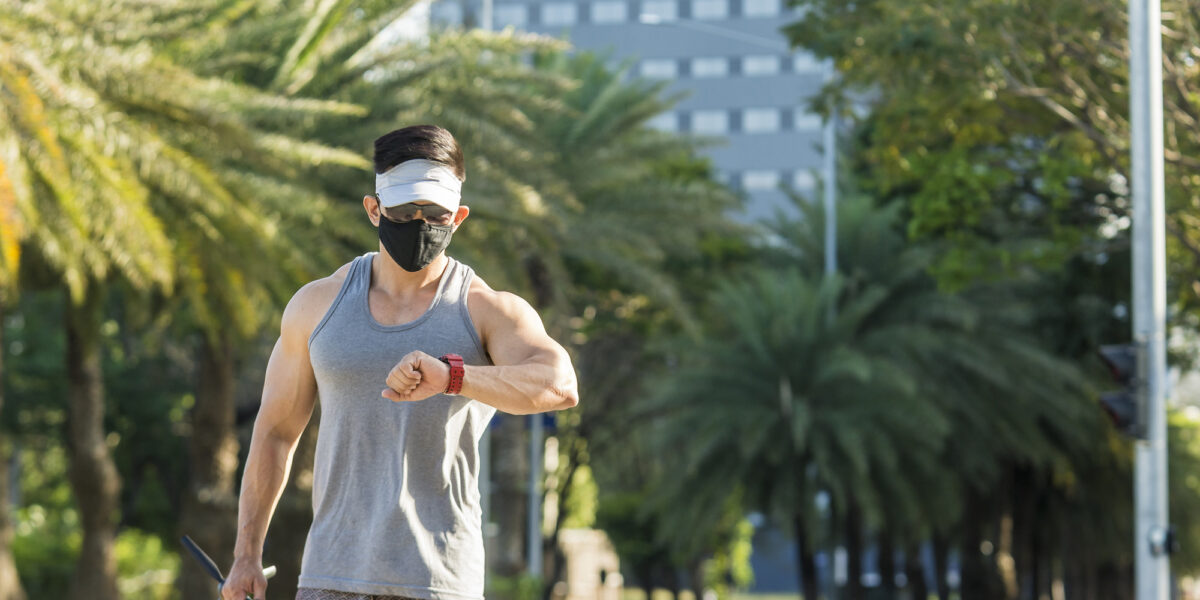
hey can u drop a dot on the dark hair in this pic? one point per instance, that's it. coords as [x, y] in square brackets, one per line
[429, 142]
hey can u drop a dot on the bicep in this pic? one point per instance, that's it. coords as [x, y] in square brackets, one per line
[517, 336]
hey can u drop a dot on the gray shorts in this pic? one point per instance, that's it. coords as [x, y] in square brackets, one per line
[319, 594]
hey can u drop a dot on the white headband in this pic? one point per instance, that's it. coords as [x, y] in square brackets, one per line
[419, 179]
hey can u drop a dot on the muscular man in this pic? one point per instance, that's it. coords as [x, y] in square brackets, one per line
[411, 354]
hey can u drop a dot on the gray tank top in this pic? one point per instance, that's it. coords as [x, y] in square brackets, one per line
[395, 491]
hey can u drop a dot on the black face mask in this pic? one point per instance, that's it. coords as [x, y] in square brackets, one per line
[413, 245]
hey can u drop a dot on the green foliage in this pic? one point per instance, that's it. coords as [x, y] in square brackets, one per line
[46, 545]
[517, 587]
[632, 532]
[581, 501]
[147, 569]
[902, 401]
[1003, 126]
[1183, 463]
[730, 567]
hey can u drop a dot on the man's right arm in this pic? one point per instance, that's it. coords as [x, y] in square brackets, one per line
[289, 394]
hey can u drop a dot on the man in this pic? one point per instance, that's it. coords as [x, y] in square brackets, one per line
[411, 355]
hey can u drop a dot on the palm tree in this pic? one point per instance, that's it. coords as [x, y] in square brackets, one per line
[896, 349]
[121, 162]
[783, 403]
[10, 236]
[1013, 403]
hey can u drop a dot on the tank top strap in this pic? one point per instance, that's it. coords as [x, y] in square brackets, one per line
[360, 275]
[452, 287]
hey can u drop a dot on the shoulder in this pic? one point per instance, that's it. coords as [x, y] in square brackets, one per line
[494, 304]
[310, 303]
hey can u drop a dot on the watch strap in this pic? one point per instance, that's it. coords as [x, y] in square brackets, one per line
[456, 373]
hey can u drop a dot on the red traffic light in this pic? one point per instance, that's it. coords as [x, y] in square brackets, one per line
[1121, 360]
[1122, 406]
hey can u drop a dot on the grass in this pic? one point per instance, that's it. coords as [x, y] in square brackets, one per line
[631, 593]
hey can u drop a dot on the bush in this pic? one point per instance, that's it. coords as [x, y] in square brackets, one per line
[518, 587]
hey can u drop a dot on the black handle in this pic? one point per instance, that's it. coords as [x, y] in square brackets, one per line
[205, 561]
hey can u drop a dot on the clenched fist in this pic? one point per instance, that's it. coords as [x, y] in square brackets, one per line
[416, 377]
[246, 580]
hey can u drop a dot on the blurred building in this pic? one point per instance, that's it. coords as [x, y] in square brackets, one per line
[730, 56]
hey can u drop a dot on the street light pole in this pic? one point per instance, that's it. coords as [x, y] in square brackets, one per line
[1151, 549]
[485, 16]
[1151, 546]
[830, 181]
[536, 471]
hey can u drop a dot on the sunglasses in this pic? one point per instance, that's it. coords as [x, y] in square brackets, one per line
[430, 213]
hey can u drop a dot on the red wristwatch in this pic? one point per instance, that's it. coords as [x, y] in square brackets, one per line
[456, 373]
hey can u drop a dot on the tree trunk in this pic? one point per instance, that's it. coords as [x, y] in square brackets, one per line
[673, 581]
[941, 554]
[979, 578]
[1005, 561]
[209, 514]
[93, 474]
[695, 571]
[1024, 536]
[914, 571]
[10, 583]
[887, 561]
[854, 552]
[645, 576]
[806, 559]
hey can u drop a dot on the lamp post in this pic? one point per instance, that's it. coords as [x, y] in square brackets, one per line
[1152, 544]
[830, 126]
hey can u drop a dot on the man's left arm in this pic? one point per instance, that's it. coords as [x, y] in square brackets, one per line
[530, 372]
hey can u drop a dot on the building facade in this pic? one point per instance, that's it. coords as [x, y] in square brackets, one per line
[744, 85]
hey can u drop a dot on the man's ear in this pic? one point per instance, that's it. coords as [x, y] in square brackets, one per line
[460, 215]
[371, 205]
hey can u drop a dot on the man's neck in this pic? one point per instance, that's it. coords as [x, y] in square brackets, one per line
[394, 281]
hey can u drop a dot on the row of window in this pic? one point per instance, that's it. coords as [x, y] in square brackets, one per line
[745, 120]
[559, 14]
[702, 67]
[762, 180]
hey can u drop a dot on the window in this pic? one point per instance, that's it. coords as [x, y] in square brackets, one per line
[665, 10]
[710, 9]
[803, 121]
[760, 8]
[760, 65]
[710, 121]
[804, 181]
[558, 13]
[515, 15]
[609, 11]
[760, 180]
[447, 13]
[665, 122]
[710, 66]
[806, 64]
[660, 68]
[760, 120]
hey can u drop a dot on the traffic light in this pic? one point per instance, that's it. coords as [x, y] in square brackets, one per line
[1123, 406]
